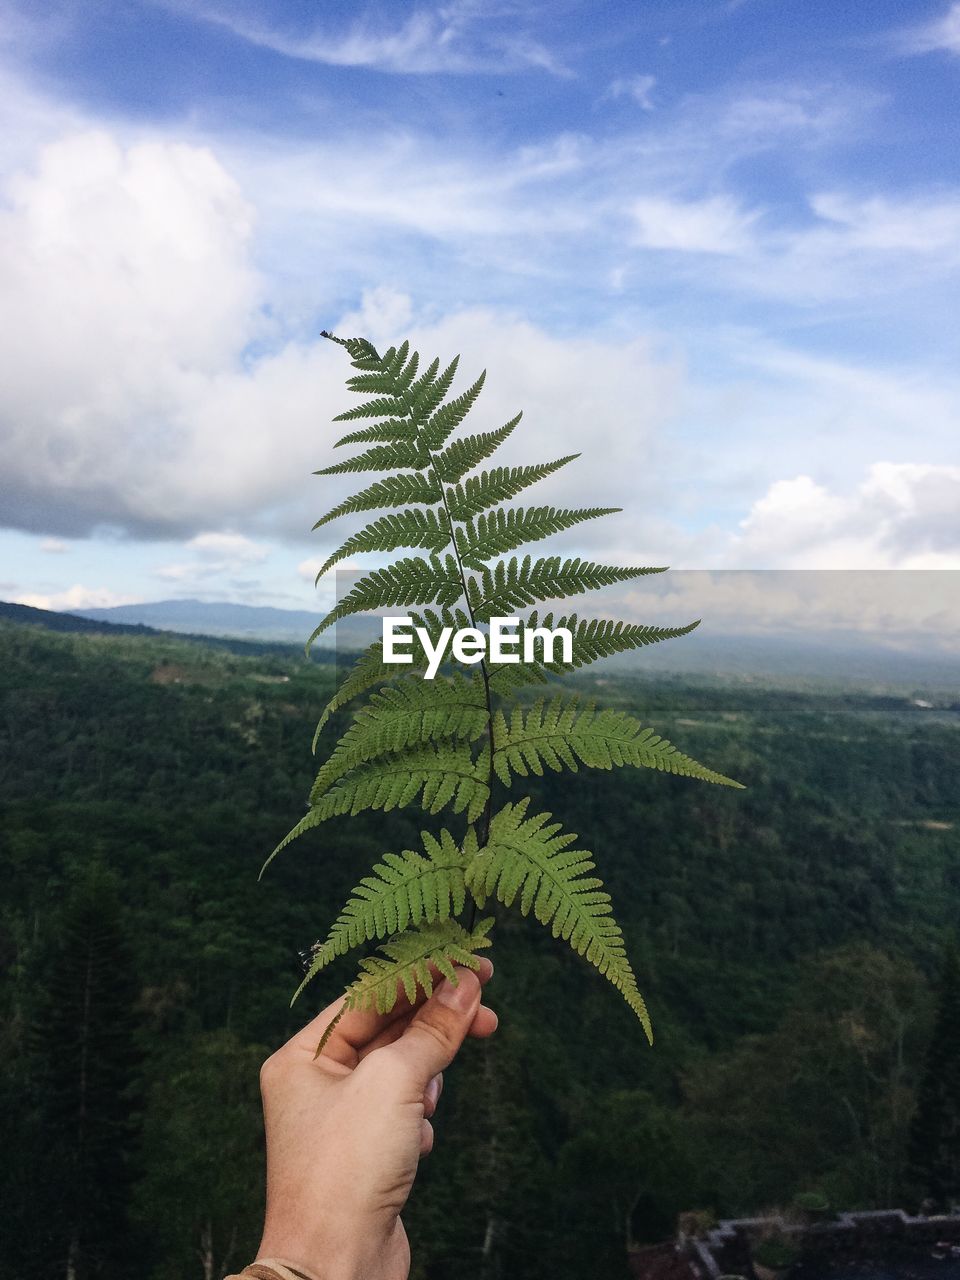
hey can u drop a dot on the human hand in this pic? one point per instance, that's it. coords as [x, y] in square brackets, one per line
[345, 1131]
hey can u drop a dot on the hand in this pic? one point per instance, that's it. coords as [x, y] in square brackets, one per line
[345, 1131]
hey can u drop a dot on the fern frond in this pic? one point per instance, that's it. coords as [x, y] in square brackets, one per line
[405, 715]
[565, 730]
[478, 493]
[390, 406]
[362, 352]
[463, 455]
[530, 857]
[382, 457]
[513, 584]
[592, 639]
[368, 670]
[438, 427]
[387, 432]
[434, 776]
[412, 580]
[402, 490]
[407, 964]
[413, 528]
[404, 889]
[507, 528]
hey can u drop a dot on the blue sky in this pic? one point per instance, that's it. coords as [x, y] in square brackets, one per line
[716, 245]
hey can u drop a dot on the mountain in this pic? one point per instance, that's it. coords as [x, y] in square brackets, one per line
[26, 615]
[242, 621]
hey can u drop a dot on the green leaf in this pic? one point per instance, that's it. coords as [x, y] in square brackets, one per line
[404, 889]
[412, 580]
[526, 856]
[368, 670]
[402, 490]
[593, 639]
[504, 529]
[463, 455]
[513, 584]
[489, 488]
[565, 730]
[437, 428]
[382, 457]
[413, 528]
[409, 714]
[392, 429]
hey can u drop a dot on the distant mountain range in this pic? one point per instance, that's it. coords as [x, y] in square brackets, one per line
[198, 617]
[839, 657]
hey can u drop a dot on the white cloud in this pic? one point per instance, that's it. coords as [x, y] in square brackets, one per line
[457, 37]
[78, 597]
[53, 546]
[214, 554]
[941, 34]
[716, 224]
[900, 516]
[637, 88]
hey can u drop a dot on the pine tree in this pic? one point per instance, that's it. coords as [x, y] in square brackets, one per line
[86, 1065]
[935, 1133]
[444, 743]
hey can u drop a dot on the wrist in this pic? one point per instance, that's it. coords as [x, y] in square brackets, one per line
[285, 1268]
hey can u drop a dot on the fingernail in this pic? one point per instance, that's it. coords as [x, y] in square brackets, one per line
[433, 1091]
[459, 997]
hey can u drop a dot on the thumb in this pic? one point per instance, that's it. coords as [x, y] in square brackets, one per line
[439, 1027]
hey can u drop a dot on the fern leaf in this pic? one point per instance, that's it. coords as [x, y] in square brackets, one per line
[382, 457]
[408, 962]
[388, 432]
[504, 529]
[416, 396]
[413, 528]
[368, 670]
[463, 455]
[489, 488]
[379, 407]
[412, 580]
[438, 426]
[404, 889]
[593, 639]
[565, 730]
[406, 715]
[402, 490]
[513, 584]
[434, 776]
[530, 857]
[361, 351]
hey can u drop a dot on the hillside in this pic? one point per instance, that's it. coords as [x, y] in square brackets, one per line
[785, 938]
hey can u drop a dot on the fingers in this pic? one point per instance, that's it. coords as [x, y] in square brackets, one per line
[426, 1137]
[431, 1095]
[438, 1029]
[360, 1031]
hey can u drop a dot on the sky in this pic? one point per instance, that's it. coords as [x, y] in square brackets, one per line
[714, 245]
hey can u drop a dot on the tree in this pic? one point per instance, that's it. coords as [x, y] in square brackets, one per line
[86, 1061]
[201, 1199]
[935, 1132]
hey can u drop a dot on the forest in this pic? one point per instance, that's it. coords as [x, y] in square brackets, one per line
[789, 940]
